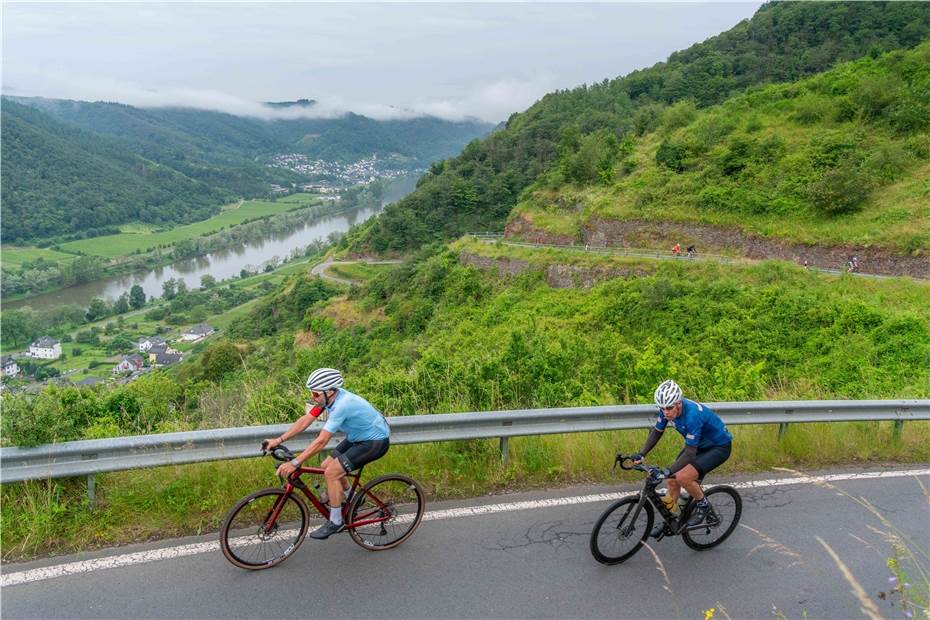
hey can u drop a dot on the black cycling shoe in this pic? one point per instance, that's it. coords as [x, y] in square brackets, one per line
[326, 530]
[659, 531]
[698, 514]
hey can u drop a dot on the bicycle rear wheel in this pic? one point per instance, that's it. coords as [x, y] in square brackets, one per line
[385, 512]
[616, 537]
[263, 529]
[726, 508]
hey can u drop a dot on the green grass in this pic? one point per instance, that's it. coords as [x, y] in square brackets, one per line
[12, 257]
[111, 246]
[47, 518]
[89, 353]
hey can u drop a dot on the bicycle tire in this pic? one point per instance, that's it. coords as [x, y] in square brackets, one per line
[604, 530]
[397, 497]
[723, 509]
[243, 538]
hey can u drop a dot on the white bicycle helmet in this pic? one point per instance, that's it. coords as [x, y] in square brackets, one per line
[323, 379]
[667, 394]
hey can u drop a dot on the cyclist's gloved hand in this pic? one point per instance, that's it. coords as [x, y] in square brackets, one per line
[637, 458]
[270, 444]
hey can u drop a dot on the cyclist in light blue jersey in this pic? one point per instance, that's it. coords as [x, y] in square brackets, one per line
[707, 446]
[367, 439]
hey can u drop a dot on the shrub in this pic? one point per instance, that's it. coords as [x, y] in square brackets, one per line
[220, 359]
[887, 162]
[671, 155]
[840, 190]
[679, 115]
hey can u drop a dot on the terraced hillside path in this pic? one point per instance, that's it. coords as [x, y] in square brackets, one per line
[320, 270]
[602, 247]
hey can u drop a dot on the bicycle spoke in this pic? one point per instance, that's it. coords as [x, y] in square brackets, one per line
[619, 532]
[249, 542]
[392, 506]
[719, 523]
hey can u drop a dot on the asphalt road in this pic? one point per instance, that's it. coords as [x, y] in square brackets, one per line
[524, 563]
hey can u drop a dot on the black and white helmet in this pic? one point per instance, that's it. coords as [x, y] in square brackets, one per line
[667, 394]
[323, 379]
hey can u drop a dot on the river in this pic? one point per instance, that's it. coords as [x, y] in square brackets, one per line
[222, 264]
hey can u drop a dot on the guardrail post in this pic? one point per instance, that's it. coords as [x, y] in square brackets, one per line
[505, 450]
[782, 429]
[92, 490]
[898, 427]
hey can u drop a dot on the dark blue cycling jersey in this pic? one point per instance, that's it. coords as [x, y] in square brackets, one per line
[698, 424]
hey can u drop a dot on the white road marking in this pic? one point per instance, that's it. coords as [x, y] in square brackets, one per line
[474, 511]
[142, 557]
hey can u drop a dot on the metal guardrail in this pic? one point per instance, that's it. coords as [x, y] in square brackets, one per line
[87, 458]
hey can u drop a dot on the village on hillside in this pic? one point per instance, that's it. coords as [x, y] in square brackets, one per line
[334, 177]
[151, 353]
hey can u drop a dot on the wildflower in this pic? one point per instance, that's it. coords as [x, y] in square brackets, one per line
[709, 614]
[892, 580]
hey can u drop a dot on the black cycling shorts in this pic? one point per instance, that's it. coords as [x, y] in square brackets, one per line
[353, 455]
[709, 459]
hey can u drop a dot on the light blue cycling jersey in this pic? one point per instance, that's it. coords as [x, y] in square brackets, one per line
[353, 415]
[698, 424]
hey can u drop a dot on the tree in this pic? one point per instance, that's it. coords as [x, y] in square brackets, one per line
[220, 359]
[136, 297]
[207, 281]
[121, 305]
[20, 326]
[97, 310]
[84, 269]
[169, 289]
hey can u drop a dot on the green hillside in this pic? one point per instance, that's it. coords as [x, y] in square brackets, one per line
[86, 167]
[782, 42]
[840, 158]
[58, 179]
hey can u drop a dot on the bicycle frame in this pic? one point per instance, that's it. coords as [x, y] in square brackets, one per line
[676, 525]
[294, 482]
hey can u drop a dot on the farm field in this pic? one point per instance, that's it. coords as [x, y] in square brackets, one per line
[123, 244]
[15, 256]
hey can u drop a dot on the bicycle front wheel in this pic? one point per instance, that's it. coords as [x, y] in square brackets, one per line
[617, 535]
[385, 512]
[726, 508]
[263, 529]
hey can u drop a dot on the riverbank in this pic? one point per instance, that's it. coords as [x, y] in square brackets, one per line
[129, 252]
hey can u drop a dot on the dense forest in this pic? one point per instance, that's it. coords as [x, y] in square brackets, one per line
[782, 42]
[59, 179]
[84, 167]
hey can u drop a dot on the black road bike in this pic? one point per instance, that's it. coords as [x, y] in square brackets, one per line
[620, 532]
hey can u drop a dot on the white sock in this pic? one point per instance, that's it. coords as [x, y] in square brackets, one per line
[335, 515]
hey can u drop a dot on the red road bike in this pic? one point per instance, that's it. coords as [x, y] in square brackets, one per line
[266, 527]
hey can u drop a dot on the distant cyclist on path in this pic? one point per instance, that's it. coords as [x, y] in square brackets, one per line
[367, 439]
[707, 446]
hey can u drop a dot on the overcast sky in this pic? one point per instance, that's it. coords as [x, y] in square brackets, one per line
[450, 60]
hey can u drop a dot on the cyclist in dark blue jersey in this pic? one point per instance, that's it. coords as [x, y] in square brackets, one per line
[707, 446]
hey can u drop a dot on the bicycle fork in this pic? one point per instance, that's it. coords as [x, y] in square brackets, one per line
[626, 531]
